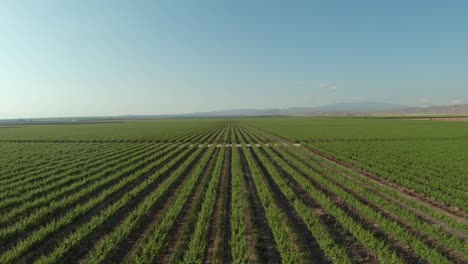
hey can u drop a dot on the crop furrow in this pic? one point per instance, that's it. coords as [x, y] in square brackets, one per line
[458, 215]
[178, 235]
[219, 233]
[260, 235]
[107, 243]
[126, 196]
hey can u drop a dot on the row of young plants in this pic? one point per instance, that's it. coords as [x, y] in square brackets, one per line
[211, 135]
[198, 244]
[106, 246]
[47, 183]
[105, 209]
[22, 158]
[61, 155]
[36, 151]
[65, 211]
[219, 235]
[158, 238]
[47, 178]
[40, 163]
[327, 242]
[57, 168]
[261, 135]
[89, 184]
[412, 172]
[20, 186]
[372, 194]
[449, 241]
[58, 224]
[396, 163]
[172, 167]
[285, 237]
[102, 179]
[391, 228]
[333, 251]
[260, 240]
[191, 136]
[364, 236]
[423, 209]
[195, 134]
[227, 136]
[238, 243]
[13, 151]
[109, 244]
[115, 132]
[40, 156]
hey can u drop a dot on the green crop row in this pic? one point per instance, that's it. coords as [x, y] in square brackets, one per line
[49, 183]
[109, 243]
[408, 165]
[197, 246]
[239, 250]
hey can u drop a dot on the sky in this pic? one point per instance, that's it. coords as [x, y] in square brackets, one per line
[101, 58]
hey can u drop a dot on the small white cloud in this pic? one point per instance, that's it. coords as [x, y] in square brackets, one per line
[424, 100]
[327, 86]
[456, 101]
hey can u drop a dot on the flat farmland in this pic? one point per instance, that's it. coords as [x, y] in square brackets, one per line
[254, 190]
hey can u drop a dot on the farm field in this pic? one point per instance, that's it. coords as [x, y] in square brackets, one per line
[253, 190]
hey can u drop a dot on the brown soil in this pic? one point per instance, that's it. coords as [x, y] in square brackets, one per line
[220, 229]
[454, 213]
[260, 235]
[305, 239]
[421, 216]
[95, 210]
[341, 236]
[148, 220]
[83, 248]
[400, 249]
[38, 171]
[248, 217]
[47, 247]
[453, 256]
[42, 181]
[180, 234]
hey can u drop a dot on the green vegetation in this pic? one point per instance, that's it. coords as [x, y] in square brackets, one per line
[257, 190]
[337, 129]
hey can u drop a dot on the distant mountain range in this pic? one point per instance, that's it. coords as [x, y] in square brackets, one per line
[343, 109]
[340, 109]
[331, 109]
[458, 109]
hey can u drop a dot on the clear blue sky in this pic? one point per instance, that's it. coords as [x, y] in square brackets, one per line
[87, 58]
